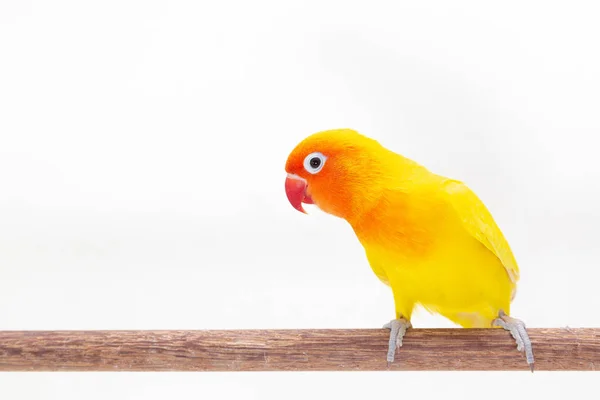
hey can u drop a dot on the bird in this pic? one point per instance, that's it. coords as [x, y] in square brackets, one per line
[426, 236]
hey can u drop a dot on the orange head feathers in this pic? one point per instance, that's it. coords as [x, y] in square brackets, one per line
[341, 171]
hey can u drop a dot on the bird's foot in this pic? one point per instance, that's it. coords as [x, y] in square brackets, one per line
[397, 329]
[517, 329]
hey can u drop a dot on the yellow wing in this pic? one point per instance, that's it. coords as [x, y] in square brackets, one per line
[478, 221]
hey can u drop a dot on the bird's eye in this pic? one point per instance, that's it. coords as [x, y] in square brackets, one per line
[314, 162]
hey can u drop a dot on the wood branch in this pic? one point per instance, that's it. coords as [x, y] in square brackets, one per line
[294, 350]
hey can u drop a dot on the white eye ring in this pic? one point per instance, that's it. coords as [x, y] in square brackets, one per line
[314, 162]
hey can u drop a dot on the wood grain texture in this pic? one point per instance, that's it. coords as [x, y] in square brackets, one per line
[294, 350]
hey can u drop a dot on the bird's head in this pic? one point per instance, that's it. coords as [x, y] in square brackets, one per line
[340, 171]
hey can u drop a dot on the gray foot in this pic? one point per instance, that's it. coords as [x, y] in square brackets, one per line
[397, 329]
[517, 329]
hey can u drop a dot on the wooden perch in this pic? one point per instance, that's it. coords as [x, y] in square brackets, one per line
[294, 350]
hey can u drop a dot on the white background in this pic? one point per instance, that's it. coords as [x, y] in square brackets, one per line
[142, 147]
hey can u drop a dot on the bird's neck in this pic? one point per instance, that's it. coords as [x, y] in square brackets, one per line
[369, 191]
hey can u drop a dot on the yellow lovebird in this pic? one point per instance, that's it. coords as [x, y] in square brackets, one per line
[428, 237]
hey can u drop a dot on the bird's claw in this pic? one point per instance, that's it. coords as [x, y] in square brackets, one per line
[517, 329]
[397, 329]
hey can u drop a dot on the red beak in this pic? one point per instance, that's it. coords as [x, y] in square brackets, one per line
[295, 189]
